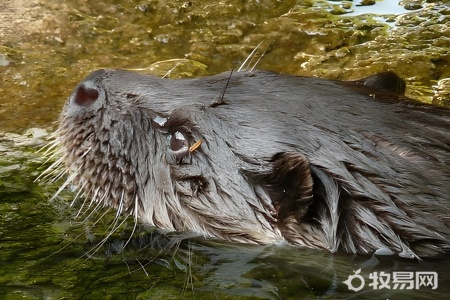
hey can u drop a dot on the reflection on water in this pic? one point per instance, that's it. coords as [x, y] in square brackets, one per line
[362, 7]
[35, 264]
[285, 272]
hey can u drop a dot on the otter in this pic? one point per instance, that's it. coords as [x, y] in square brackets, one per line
[344, 166]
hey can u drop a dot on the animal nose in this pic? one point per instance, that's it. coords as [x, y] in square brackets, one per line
[85, 95]
[89, 91]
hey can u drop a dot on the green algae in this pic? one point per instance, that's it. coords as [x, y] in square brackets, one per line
[65, 41]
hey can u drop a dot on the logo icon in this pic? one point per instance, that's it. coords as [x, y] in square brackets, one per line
[356, 276]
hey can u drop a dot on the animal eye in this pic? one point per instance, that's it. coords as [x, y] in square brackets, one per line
[178, 148]
[178, 141]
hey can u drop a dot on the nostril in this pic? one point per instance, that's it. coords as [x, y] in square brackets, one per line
[85, 96]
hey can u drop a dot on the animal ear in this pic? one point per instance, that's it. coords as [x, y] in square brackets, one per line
[386, 81]
[291, 184]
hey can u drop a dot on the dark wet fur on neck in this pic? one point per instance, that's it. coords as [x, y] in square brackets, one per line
[342, 166]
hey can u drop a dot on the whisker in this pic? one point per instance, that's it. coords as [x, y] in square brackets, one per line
[59, 175]
[99, 204]
[51, 147]
[142, 266]
[64, 247]
[131, 236]
[50, 170]
[190, 278]
[249, 57]
[93, 225]
[94, 250]
[170, 70]
[64, 185]
[80, 210]
[135, 224]
[120, 207]
[78, 194]
[257, 62]
[104, 240]
[52, 143]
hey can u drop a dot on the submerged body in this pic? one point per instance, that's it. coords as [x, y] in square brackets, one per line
[319, 163]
